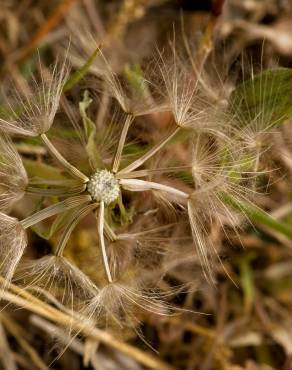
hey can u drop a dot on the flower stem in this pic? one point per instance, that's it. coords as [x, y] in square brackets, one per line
[102, 242]
[149, 154]
[148, 172]
[141, 185]
[118, 155]
[61, 192]
[73, 170]
[54, 209]
[109, 232]
[75, 218]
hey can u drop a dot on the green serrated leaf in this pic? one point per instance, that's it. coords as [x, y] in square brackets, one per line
[266, 99]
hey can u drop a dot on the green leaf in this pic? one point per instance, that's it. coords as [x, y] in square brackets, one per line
[89, 126]
[126, 214]
[136, 81]
[42, 170]
[265, 99]
[247, 280]
[59, 222]
[185, 176]
[81, 72]
[235, 176]
[257, 215]
[90, 131]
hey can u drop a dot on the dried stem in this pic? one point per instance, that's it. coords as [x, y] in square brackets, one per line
[17, 332]
[73, 170]
[22, 298]
[60, 192]
[111, 235]
[54, 209]
[118, 155]
[7, 359]
[75, 219]
[102, 242]
[148, 172]
[141, 185]
[149, 154]
[59, 12]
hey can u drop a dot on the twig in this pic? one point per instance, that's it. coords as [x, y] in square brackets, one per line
[6, 355]
[206, 44]
[55, 18]
[15, 330]
[24, 299]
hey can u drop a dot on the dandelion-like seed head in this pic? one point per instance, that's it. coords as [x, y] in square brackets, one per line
[103, 186]
[13, 242]
[32, 113]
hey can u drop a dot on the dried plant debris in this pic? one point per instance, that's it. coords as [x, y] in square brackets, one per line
[145, 194]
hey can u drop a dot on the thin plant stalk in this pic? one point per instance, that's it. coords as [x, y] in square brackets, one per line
[102, 242]
[58, 183]
[22, 298]
[109, 232]
[75, 219]
[60, 192]
[141, 185]
[149, 154]
[55, 209]
[121, 144]
[155, 171]
[68, 166]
